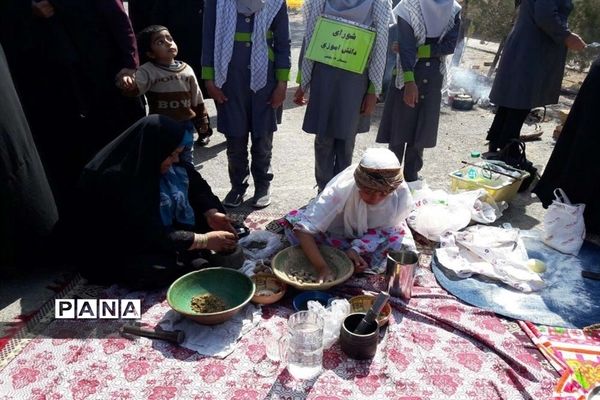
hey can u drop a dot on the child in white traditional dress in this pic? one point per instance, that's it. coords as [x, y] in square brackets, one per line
[362, 211]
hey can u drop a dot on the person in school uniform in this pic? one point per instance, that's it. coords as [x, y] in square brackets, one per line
[340, 100]
[246, 63]
[427, 33]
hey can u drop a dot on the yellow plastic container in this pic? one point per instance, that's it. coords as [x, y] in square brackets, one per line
[500, 188]
[294, 4]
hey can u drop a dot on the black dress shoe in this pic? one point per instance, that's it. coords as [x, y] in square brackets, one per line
[493, 147]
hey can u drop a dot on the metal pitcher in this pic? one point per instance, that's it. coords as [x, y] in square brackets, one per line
[400, 273]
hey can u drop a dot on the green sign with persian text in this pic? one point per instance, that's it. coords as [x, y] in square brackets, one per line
[341, 45]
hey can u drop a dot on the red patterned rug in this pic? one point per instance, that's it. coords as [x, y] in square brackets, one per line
[258, 219]
[22, 328]
[435, 347]
[25, 327]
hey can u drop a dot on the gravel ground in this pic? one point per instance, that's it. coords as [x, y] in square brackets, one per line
[460, 132]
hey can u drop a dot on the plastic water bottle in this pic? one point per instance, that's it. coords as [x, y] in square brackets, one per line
[473, 172]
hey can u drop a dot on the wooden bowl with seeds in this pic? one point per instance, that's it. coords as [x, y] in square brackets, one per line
[269, 289]
[293, 267]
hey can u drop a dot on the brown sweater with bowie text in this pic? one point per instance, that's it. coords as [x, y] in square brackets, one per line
[171, 90]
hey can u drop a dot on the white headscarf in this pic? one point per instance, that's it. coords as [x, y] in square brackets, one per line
[436, 14]
[225, 25]
[352, 10]
[249, 7]
[412, 12]
[339, 208]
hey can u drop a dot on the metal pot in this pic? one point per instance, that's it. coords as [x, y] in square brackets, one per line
[234, 259]
[462, 102]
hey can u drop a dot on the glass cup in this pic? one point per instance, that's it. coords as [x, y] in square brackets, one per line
[269, 365]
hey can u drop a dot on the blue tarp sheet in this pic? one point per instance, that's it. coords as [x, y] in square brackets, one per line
[567, 300]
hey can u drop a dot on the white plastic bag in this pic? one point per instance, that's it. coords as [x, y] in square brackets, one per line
[433, 219]
[437, 211]
[564, 228]
[333, 317]
[261, 245]
[484, 208]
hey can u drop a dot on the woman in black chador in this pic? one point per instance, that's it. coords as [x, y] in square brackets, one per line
[146, 218]
[573, 165]
[27, 209]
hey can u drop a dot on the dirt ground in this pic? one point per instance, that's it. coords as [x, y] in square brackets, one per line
[460, 132]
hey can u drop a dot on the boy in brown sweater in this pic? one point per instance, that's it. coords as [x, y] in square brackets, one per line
[170, 86]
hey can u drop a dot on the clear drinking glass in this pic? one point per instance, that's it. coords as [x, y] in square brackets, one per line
[269, 364]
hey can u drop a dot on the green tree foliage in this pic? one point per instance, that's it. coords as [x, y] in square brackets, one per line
[492, 20]
[585, 21]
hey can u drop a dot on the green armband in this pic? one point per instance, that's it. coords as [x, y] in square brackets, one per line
[371, 89]
[299, 76]
[409, 76]
[424, 51]
[282, 74]
[208, 73]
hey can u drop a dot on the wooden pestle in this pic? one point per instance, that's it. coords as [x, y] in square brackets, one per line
[372, 314]
[174, 337]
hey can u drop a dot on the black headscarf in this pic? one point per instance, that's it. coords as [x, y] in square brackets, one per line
[121, 184]
[138, 152]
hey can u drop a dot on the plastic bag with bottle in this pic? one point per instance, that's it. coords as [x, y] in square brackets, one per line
[333, 315]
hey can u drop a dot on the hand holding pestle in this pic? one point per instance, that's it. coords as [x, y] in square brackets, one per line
[373, 312]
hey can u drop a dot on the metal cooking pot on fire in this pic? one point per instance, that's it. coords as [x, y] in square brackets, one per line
[462, 102]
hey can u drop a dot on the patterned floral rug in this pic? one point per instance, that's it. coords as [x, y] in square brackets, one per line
[435, 347]
[258, 219]
[26, 327]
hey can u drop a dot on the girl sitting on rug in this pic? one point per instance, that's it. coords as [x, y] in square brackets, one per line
[362, 211]
[149, 218]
